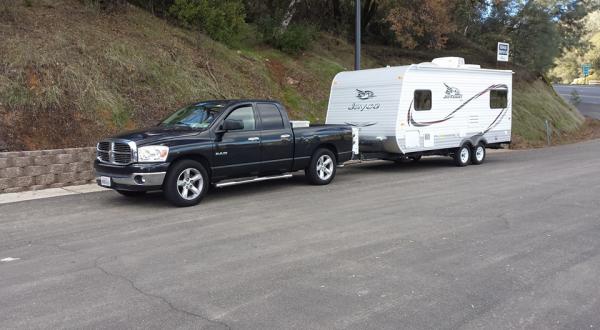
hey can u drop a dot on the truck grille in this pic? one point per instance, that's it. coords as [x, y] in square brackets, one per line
[116, 152]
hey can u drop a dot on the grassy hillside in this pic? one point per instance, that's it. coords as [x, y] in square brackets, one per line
[70, 75]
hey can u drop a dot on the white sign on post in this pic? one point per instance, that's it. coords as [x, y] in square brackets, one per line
[503, 51]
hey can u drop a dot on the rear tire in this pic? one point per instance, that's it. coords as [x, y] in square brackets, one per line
[186, 183]
[462, 156]
[131, 194]
[478, 154]
[322, 167]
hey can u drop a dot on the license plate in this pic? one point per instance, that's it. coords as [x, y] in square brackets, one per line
[105, 181]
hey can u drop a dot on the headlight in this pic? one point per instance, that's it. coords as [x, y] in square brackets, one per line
[150, 154]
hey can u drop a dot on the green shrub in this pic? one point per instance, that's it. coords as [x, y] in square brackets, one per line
[294, 40]
[575, 97]
[106, 5]
[223, 20]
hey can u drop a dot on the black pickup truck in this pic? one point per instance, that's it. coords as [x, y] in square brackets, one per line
[217, 143]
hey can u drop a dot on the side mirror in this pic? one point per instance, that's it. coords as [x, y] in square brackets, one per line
[233, 125]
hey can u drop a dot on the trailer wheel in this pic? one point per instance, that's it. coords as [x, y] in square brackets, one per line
[186, 183]
[479, 154]
[462, 156]
[322, 168]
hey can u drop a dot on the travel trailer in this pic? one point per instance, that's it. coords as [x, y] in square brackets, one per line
[445, 107]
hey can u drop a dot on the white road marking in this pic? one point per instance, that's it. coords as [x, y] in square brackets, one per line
[9, 259]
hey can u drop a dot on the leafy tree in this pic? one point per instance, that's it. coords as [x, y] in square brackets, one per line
[468, 14]
[568, 67]
[425, 22]
[536, 38]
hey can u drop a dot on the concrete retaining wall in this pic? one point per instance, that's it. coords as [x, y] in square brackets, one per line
[34, 170]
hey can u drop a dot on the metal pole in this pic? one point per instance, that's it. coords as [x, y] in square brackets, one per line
[358, 35]
[548, 133]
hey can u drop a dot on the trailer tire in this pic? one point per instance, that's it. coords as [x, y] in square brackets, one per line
[322, 167]
[478, 154]
[462, 155]
[186, 183]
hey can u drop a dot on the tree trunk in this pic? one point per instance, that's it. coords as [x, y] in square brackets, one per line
[289, 14]
[337, 12]
[368, 12]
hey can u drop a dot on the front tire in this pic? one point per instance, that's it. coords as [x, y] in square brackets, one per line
[479, 154]
[462, 156]
[186, 183]
[322, 167]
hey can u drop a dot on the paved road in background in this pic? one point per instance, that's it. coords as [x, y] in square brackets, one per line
[513, 243]
[590, 98]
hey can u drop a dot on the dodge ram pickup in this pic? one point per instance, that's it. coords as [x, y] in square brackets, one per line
[218, 143]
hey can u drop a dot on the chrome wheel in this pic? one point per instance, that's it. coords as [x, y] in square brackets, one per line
[324, 167]
[479, 153]
[464, 155]
[190, 184]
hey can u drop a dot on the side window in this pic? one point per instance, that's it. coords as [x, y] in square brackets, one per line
[422, 100]
[498, 98]
[270, 116]
[244, 114]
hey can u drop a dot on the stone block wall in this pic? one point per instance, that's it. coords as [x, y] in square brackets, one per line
[34, 170]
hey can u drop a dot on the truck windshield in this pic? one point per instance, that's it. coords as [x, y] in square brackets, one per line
[199, 115]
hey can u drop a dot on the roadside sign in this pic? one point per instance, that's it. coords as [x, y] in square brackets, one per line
[586, 69]
[503, 51]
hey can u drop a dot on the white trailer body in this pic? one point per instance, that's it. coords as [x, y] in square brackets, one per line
[425, 107]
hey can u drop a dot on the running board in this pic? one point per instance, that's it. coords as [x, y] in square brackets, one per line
[259, 179]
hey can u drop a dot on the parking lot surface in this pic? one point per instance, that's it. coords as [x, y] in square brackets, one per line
[513, 243]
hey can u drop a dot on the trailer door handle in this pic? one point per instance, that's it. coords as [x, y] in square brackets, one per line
[285, 137]
[255, 138]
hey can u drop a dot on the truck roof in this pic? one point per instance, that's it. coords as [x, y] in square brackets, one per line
[231, 101]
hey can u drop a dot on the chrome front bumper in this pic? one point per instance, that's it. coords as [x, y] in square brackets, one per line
[136, 179]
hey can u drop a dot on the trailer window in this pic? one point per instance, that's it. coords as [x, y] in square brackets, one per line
[422, 100]
[498, 98]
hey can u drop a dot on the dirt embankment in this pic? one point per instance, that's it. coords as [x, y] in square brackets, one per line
[70, 75]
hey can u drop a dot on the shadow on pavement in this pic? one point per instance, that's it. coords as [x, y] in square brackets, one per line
[156, 199]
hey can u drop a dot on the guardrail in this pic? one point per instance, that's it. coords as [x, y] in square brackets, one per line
[594, 82]
[34, 170]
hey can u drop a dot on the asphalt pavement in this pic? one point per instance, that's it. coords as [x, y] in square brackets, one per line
[590, 98]
[513, 243]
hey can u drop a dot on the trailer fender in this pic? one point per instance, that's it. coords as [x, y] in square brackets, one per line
[474, 140]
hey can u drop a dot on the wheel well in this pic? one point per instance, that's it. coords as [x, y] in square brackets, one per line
[467, 142]
[200, 159]
[475, 140]
[331, 148]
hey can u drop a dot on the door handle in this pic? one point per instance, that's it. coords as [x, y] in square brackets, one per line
[253, 138]
[285, 137]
